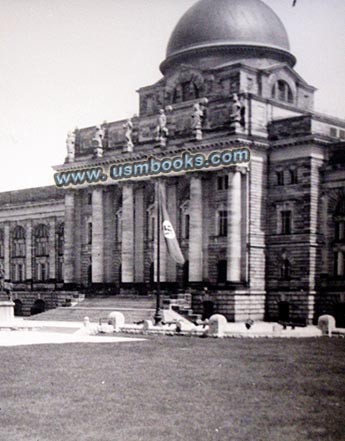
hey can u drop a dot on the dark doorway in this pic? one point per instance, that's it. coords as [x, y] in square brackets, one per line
[284, 311]
[185, 274]
[18, 308]
[208, 309]
[339, 315]
[221, 271]
[38, 307]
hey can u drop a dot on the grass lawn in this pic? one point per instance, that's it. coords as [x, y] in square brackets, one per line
[174, 388]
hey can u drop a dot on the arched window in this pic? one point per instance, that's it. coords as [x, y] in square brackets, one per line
[18, 242]
[119, 226]
[281, 91]
[41, 236]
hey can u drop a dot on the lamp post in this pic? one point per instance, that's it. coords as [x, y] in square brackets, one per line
[158, 313]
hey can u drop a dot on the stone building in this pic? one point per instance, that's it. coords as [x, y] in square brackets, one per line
[266, 237]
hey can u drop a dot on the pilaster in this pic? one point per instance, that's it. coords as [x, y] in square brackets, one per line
[139, 235]
[234, 249]
[127, 252]
[97, 251]
[196, 228]
[69, 250]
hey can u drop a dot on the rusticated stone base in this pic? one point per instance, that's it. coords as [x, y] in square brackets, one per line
[236, 306]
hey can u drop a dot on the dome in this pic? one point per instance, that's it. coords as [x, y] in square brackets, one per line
[229, 26]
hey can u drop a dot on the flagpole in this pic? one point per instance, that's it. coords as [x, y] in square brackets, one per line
[158, 313]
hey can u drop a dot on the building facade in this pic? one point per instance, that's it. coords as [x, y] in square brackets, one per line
[265, 236]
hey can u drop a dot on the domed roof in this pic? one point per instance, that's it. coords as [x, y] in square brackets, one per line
[228, 23]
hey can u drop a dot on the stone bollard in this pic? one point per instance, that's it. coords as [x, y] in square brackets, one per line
[147, 325]
[326, 323]
[217, 326]
[116, 319]
[86, 322]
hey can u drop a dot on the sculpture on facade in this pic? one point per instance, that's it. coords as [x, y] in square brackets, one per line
[198, 118]
[97, 141]
[162, 131]
[128, 126]
[237, 113]
[70, 145]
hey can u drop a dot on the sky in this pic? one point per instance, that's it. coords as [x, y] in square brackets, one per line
[77, 63]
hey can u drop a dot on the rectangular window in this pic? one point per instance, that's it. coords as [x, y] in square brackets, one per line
[89, 233]
[20, 272]
[339, 264]
[340, 230]
[293, 176]
[280, 177]
[89, 198]
[223, 182]
[286, 222]
[222, 223]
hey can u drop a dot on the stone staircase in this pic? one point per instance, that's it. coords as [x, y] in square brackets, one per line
[97, 308]
[182, 304]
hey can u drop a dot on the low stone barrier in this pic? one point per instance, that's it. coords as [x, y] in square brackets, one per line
[326, 323]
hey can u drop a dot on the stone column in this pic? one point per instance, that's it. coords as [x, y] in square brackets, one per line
[28, 251]
[69, 250]
[52, 249]
[127, 251]
[139, 236]
[234, 249]
[195, 236]
[7, 251]
[97, 235]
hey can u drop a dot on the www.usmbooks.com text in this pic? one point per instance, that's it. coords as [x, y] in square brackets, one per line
[152, 166]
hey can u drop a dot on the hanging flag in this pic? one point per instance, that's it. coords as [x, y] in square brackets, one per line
[168, 230]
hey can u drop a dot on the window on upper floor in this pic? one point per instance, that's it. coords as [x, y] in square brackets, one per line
[285, 269]
[185, 220]
[18, 242]
[222, 222]
[281, 91]
[286, 221]
[340, 230]
[223, 182]
[339, 221]
[339, 263]
[293, 176]
[89, 233]
[280, 177]
[41, 236]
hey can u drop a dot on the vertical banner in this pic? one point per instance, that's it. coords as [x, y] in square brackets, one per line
[168, 230]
